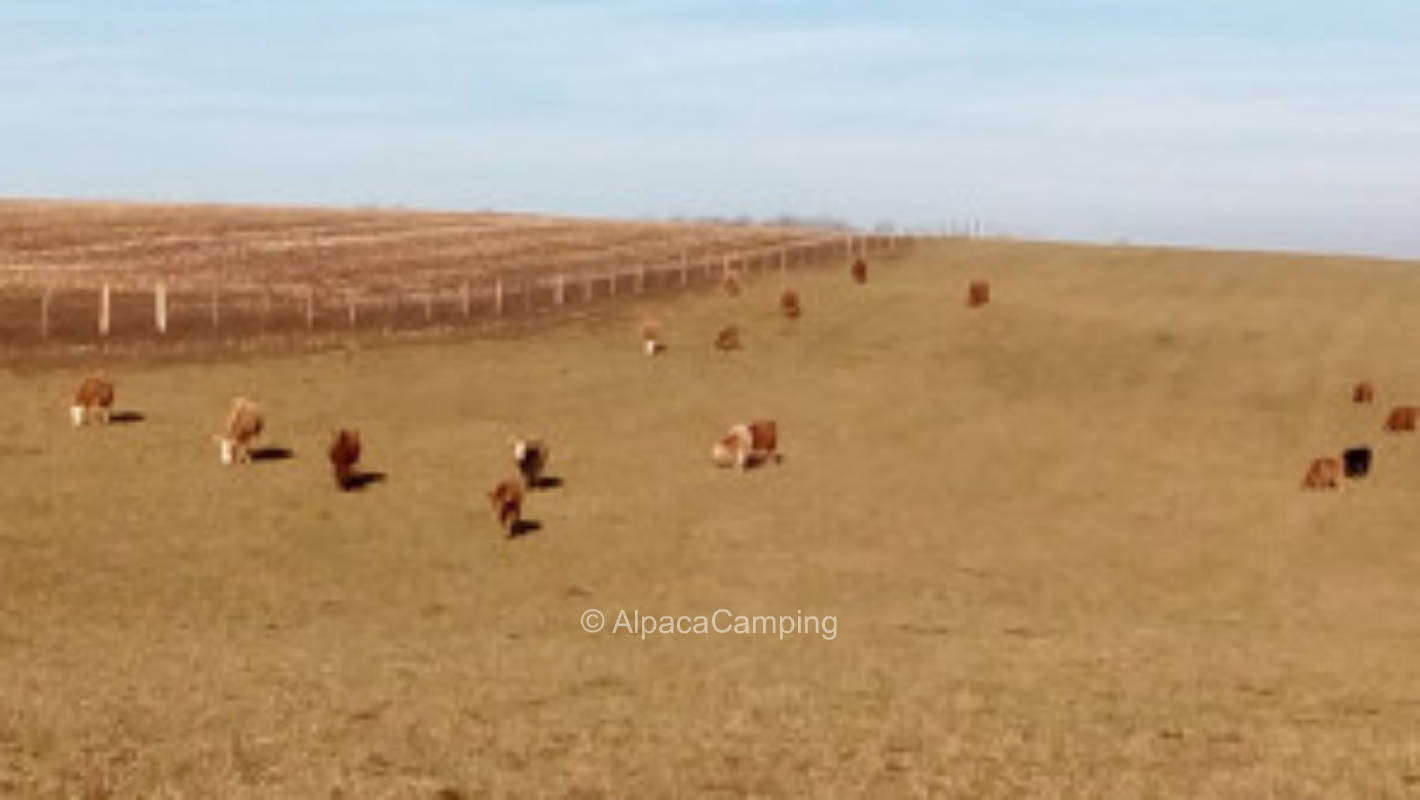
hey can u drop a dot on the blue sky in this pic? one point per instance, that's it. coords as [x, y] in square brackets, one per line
[1233, 124]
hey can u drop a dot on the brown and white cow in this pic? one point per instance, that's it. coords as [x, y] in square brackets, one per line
[1363, 392]
[344, 455]
[244, 424]
[507, 502]
[978, 293]
[859, 271]
[789, 304]
[1324, 473]
[93, 401]
[530, 456]
[747, 445]
[1401, 418]
[728, 339]
[651, 341]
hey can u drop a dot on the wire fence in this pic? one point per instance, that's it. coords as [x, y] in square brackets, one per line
[157, 309]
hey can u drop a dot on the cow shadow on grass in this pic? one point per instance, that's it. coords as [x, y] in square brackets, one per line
[523, 527]
[272, 454]
[359, 480]
[126, 417]
[547, 482]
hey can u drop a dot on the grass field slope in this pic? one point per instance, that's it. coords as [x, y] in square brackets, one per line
[1062, 535]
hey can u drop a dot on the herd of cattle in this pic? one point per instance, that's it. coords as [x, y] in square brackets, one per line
[745, 445]
[1328, 472]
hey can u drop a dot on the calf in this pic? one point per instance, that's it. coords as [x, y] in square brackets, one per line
[1401, 418]
[530, 456]
[747, 445]
[859, 271]
[507, 502]
[93, 401]
[244, 425]
[1324, 473]
[344, 455]
[1363, 392]
[789, 304]
[728, 339]
[978, 293]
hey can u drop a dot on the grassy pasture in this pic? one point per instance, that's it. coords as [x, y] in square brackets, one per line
[1063, 537]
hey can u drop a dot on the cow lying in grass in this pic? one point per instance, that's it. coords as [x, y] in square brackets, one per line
[978, 293]
[1401, 419]
[244, 425]
[747, 445]
[1323, 474]
[727, 339]
[93, 401]
[1363, 392]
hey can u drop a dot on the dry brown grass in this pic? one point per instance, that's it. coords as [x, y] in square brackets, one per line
[1063, 536]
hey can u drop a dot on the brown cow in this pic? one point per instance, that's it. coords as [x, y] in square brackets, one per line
[530, 456]
[1402, 418]
[651, 341]
[789, 304]
[1363, 392]
[344, 455]
[978, 293]
[244, 424]
[1324, 473]
[860, 271]
[728, 339]
[747, 445]
[507, 502]
[731, 284]
[93, 401]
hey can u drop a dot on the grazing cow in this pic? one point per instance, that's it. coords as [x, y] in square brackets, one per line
[651, 341]
[1324, 473]
[747, 445]
[860, 271]
[789, 304]
[728, 339]
[1363, 392]
[93, 401]
[978, 293]
[731, 284]
[244, 424]
[344, 455]
[507, 502]
[1402, 418]
[1356, 461]
[530, 456]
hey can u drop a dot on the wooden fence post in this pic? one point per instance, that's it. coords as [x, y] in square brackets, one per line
[611, 284]
[44, 300]
[216, 307]
[310, 308]
[464, 299]
[105, 308]
[561, 291]
[641, 280]
[160, 307]
[350, 307]
[498, 297]
[266, 303]
[784, 261]
[429, 305]
[589, 287]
